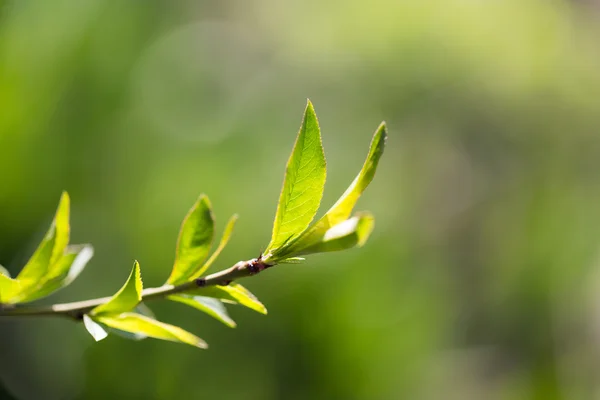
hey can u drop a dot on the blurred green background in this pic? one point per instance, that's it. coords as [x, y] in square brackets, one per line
[482, 277]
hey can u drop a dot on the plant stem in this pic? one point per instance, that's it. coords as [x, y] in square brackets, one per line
[77, 309]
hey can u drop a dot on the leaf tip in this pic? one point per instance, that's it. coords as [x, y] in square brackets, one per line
[203, 198]
[139, 285]
[310, 109]
[382, 131]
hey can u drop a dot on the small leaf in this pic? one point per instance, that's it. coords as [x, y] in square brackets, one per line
[139, 324]
[342, 209]
[64, 272]
[50, 250]
[234, 293]
[209, 305]
[141, 309]
[353, 232]
[217, 252]
[303, 184]
[193, 244]
[8, 288]
[95, 329]
[127, 298]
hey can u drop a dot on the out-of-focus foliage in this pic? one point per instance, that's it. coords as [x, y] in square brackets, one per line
[481, 279]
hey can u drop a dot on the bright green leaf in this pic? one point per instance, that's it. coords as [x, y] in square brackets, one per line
[127, 298]
[50, 250]
[219, 249]
[142, 309]
[209, 305]
[64, 272]
[94, 328]
[342, 209]
[303, 184]
[193, 244]
[139, 324]
[8, 288]
[352, 232]
[234, 293]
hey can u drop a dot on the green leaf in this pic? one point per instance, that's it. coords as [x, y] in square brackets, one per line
[303, 184]
[209, 305]
[64, 272]
[142, 309]
[342, 209]
[139, 324]
[352, 232]
[193, 244]
[219, 249]
[50, 250]
[233, 293]
[126, 299]
[8, 288]
[95, 329]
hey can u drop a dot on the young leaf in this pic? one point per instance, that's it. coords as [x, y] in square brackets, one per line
[95, 329]
[219, 249]
[141, 309]
[303, 183]
[209, 305]
[50, 249]
[8, 288]
[193, 244]
[4, 271]
[126, 299]
[342, 209]
[234, 293]
[64, 272]
[139, 324]
[345, 235]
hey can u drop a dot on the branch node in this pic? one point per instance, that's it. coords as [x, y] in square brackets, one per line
[200, 282]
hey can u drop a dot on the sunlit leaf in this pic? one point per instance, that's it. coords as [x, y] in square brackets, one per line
[127, 298]
[8, 288]
[217, 252]
[303, 184]
[209, 305]
[234, 293]
[352, 232]
[342, 209]
[141, 309]
[63, 273]
[94, 328]
[139, 324]
[193, 244]
[50, 250]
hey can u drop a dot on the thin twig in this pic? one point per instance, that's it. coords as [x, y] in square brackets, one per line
[77, 309]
